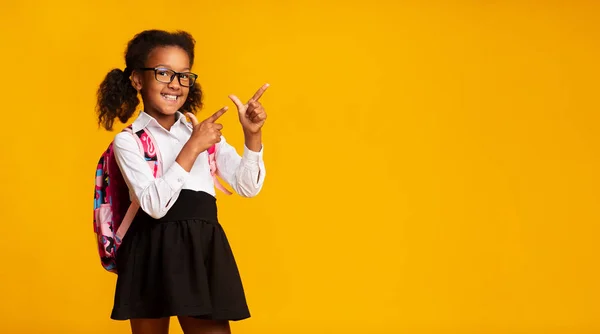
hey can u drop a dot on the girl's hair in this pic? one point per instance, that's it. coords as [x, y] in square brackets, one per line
[116, 96]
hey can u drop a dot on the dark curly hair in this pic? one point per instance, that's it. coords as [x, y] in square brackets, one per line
[116, 96]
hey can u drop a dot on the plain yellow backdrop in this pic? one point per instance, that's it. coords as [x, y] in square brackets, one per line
[432, 166]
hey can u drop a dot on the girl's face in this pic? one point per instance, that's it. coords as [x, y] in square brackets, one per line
[160, 97]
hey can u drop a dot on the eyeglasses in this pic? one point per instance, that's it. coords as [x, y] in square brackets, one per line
[165, 75]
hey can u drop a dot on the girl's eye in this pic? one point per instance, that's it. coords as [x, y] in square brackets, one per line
[164, 72]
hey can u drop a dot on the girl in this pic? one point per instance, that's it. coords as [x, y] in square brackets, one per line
[175, 259]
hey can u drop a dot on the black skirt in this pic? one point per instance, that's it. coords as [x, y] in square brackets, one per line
[179, 265]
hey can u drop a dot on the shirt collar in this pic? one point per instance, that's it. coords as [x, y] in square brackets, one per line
[144, 120]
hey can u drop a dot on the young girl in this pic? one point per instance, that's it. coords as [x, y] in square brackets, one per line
[175, 259]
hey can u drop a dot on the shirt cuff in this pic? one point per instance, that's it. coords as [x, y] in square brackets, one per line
[252, 156]
[176, 176]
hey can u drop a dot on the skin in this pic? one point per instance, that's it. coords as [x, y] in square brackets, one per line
[252, 117]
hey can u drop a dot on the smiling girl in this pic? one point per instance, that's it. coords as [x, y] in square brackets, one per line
[175, 259]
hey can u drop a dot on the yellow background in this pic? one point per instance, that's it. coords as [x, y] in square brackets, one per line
[432, 166]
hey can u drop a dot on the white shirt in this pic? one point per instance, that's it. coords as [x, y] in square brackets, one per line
[245, 174]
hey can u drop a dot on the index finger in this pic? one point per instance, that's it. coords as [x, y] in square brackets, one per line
[260, 92]
[216, 115]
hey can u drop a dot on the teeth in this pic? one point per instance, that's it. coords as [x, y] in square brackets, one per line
[170, 97]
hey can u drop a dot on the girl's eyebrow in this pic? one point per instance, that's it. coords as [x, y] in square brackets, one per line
[169, 67]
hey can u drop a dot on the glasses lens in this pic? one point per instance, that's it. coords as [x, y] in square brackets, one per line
[164, 75]
[187, 79]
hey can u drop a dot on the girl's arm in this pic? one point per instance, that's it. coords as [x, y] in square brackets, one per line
[155, 195]
[245, 174]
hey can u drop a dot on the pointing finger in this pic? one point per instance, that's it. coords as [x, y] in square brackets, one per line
[216, 115]
[260, 92]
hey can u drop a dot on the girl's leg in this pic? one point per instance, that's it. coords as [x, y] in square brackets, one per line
[150, 326]
[200, 326]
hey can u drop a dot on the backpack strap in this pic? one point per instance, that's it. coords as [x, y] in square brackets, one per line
[149, 150]
[152, 156]
[212, 163]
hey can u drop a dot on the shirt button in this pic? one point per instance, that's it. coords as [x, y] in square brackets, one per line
[179, 180]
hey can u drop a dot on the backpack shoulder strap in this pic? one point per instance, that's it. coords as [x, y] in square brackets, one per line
[151, 154]
[148, 149]
[212, 163]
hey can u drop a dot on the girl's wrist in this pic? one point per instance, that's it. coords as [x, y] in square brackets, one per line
[253, 141]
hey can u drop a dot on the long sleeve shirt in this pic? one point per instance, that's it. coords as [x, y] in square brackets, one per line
[245, 173]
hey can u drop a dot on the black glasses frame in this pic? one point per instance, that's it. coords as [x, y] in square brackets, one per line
[175, 74]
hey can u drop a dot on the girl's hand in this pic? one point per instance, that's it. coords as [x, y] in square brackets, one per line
[206, 133]
[252, 114]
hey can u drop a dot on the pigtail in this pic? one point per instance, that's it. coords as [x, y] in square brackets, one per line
[116, 98]
[194, 100]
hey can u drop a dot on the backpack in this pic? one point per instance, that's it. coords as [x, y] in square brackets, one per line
[113, 209]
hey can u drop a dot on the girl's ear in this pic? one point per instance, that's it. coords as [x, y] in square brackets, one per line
[136, 80]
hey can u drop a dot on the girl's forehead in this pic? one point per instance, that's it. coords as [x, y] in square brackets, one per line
[170, 56]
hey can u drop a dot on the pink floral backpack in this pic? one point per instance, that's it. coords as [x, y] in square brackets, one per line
[113, 210]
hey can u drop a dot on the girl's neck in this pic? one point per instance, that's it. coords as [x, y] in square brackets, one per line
[166, 121]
